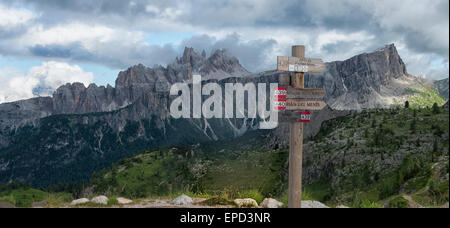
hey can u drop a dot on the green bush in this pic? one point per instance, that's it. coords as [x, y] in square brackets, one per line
[388, 188]
[254, 194]
[8, 198]
[398, 202]
[369, 204]
[436, 109]
[113, 201]
[24, 198]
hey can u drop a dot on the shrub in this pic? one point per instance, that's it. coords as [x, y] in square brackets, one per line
[398, 202]
[413, 126]
[113, 201]
[435, 109]
[369, 204]
[24, 198]
[388, 188]
[254, 194]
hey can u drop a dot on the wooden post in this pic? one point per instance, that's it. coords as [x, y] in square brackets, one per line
[296, 143]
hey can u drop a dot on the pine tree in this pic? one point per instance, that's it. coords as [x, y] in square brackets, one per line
[413, 126]
[435, 147]
[435, 108]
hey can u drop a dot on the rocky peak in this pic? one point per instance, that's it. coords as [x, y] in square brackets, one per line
[364, 81]
[442, 87]
[220, 62]
[67, 97]
[204, 54]
[191, 57]
[220, 58]
[392, 60]
[134, 75]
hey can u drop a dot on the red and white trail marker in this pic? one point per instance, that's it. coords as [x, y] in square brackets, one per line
[280, 104]
[305, 117]
[280, 98]
[281, 92]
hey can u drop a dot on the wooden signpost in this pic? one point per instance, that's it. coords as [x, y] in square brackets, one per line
[290, 117]
[306, 93]
[300, 93]
[300, 64]
[293, 104]
[297, 104]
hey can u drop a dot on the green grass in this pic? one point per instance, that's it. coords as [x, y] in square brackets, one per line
[59, 199]
[370, 204]
[222, 172]
[162, 173]
[421, 133]
[318, 190]
[284, 198]
[250, 171]
[8, 198]
[233, 170]
[424, 98]
[23, 197]
[253, 194]
[398, 202]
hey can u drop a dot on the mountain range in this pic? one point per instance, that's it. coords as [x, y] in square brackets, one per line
[80, 130]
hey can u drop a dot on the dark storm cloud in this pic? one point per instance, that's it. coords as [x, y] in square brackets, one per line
[87, 6]
[109, 12]
[9, 33]
[347, 15]
[72, 51]
[212, 14]
[113, 56]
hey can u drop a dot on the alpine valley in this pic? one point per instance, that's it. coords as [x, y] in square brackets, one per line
[364, 149]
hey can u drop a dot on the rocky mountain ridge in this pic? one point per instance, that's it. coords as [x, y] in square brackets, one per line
[67, 137]
[368, 80]
[442, 87]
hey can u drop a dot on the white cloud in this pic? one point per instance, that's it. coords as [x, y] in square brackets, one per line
[428, 66]
[40, 80]
[10, 17]
[88, 35]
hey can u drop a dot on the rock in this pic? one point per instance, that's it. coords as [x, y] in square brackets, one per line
[313, 204]
[248, 202]
[271, 203]
[6, 205]
[100, 200]
[79, 201]
[342, 206]
[442, 88]
[39, 204]
[122, 200]
[88, 192]
[445, 105]
[182, 200]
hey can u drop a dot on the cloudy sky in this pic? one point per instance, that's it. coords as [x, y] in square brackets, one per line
[46, 43]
